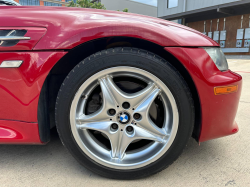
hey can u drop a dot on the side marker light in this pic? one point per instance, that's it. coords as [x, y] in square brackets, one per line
[225, 89]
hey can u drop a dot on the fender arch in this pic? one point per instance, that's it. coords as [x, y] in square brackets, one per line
[61, 69]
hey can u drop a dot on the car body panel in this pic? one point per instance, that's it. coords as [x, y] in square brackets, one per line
[217, 111]
[17, 132]
[35, 34]
[20, 87]
[61, 29]
[69, 27]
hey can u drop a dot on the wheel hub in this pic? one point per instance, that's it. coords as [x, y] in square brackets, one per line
[123, 117]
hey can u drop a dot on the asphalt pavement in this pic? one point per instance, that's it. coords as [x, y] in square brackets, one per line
[219, 162]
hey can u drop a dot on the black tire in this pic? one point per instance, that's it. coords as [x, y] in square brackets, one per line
[135, 58]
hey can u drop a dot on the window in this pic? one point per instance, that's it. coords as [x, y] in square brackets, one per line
[172, 3]
[70, 0]
[51, 4]
[29, 2]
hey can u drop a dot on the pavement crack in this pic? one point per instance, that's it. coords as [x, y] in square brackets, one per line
[232, 182]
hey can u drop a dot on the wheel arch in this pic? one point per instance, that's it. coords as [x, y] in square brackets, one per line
[51, 86]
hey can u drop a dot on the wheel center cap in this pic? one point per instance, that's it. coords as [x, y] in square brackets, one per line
[123, 117]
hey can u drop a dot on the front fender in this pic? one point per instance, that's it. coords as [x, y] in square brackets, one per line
[91, 29]
[217, 111]
[70, 27]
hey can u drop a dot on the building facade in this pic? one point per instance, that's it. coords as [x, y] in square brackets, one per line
[225, 21]
[43, 2]
[132, 6]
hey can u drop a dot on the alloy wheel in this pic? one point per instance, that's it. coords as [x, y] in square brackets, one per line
[125, 118]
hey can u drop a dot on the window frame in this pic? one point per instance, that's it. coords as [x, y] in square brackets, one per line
[168, 1]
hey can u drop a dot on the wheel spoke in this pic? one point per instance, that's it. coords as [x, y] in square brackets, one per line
[141, 133]
[125, 140]
[139, 97]
[147, 124]
[109, 102]
[99, 115]
[143, 110]
[111, 93]
[144, 106]
[103, 126]
[114, 139]
[119, 96]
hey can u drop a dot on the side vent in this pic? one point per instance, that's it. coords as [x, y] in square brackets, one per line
[20, 38]
[9, 38]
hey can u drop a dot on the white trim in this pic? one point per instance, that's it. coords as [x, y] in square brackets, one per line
[11, 64]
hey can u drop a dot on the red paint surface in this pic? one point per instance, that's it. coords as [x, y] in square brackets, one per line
[69, 27]
[34, 33]
[20, 87]
[16, 132]
[217, 111]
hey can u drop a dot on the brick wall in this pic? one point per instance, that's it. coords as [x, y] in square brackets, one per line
[232, 24]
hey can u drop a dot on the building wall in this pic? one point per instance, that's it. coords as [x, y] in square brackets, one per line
[133, 7]
[187, 5]
[197, 4]
[39, 3]
[163, 9]
[232, 24]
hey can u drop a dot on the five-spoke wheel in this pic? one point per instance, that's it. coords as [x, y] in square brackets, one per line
[124, 117]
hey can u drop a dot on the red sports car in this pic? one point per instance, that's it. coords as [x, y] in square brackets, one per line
[125, 92]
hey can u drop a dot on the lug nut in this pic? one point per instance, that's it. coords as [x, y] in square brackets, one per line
[137, 116]
[126, 105]
[129, 129]
[112, 112]
[114, 126]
